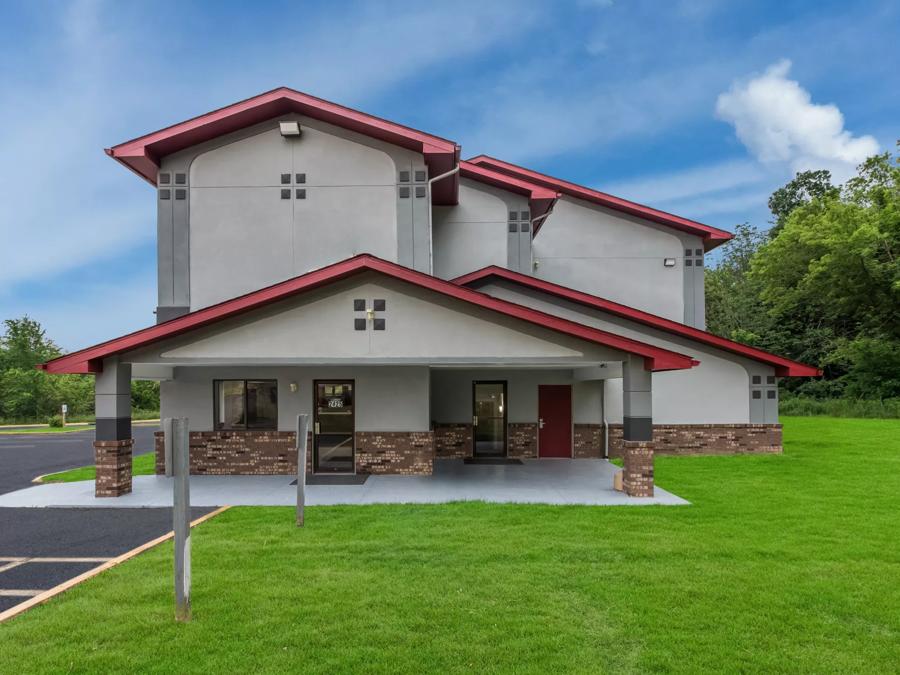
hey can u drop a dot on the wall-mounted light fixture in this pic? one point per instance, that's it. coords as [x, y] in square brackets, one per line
[293, 386]
[669, 262]
[289, 128]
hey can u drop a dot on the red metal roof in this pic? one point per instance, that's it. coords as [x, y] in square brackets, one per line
[142, 154]
[783, 367]
[712, 236]
[90, 360]
[540, 198]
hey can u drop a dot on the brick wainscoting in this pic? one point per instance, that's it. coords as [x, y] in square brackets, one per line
[685, 439]
[637, 460]
[231, 453]
[452, 441]
[587, 441]
[408, 453]
[521, 441]
[113, 462]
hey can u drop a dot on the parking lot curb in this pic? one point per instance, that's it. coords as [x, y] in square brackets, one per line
[74, 581]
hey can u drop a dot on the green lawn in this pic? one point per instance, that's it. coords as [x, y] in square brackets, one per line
[782, 563]
[47, 430]
[141, 465]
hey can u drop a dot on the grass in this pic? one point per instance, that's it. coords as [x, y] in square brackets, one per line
[136, 415]
[141, 465]
[782, 563]
[46, 430]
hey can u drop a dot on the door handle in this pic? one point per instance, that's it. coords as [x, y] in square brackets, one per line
[540, 423]
[474, 420]
[316, 428]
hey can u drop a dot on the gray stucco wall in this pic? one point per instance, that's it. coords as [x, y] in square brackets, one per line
[716, 391]
[475, 233]
[391, 398]
[616, 256]
[420, 327]
[232, 232]
[451, 394]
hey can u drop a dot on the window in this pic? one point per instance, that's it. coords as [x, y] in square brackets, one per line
[246, 404]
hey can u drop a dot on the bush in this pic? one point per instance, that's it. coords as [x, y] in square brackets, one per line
[55, 421]
[802, 406]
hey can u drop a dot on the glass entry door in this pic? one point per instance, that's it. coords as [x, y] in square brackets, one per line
[489, 418]
[333, 428]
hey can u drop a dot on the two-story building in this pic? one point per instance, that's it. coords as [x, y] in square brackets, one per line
[316, 259]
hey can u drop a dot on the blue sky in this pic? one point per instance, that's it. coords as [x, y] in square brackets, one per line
[700, 107]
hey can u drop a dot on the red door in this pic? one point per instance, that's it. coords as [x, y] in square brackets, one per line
[555, 420]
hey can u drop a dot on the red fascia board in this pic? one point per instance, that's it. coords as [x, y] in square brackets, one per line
[783, 367]
[712, 236]
[142, 154]
[655, 358]
[540, 198]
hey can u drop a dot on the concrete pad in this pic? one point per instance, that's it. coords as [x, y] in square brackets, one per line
[548, 481]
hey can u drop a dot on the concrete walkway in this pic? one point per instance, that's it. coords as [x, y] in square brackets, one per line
[556, 481]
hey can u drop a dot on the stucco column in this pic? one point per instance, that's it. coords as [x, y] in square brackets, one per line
[112, 440]
[637, 394]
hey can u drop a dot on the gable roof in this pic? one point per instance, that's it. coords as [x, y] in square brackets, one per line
[90, 360]
[540, 199]
[142, 154]
[712, 236]
[783, 367]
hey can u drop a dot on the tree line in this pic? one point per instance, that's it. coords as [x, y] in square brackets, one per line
[822, 286]
[30, 395]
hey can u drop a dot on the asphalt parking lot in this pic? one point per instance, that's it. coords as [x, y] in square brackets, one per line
[41, 548]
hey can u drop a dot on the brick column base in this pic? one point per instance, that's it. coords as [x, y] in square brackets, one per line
[637, 479]
[113, 460]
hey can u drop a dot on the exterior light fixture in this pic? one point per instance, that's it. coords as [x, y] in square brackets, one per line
[669, 262]
[293, 386]
[289, 128]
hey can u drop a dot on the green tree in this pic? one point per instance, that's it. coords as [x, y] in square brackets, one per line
[24, 344]
[804, 188]
[831, 275]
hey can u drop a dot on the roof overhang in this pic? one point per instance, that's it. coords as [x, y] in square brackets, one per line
[711, 236]
[142, 155]
[90, 360]
[540, 198]
[783, 367]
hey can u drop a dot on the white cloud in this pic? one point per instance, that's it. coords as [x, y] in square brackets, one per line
[778, 122]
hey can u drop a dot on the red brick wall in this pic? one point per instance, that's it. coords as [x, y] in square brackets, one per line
[587, 441]
[408, 453]
[452, 441]
[113, 462]
[685, 439]
[231, 453]
[521, 440]
[637, 472]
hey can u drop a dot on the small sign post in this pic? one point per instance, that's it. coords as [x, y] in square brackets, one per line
[302, 429]
[181, 514]
[65, 409]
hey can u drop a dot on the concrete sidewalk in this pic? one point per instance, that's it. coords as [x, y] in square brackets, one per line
[558, 481]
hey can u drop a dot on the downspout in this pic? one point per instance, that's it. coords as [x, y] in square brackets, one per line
[605, 425]
[431, 219]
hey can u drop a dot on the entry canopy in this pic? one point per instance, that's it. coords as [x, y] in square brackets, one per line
[90, 360]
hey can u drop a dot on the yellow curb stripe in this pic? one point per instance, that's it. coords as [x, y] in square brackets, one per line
[43, 596]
